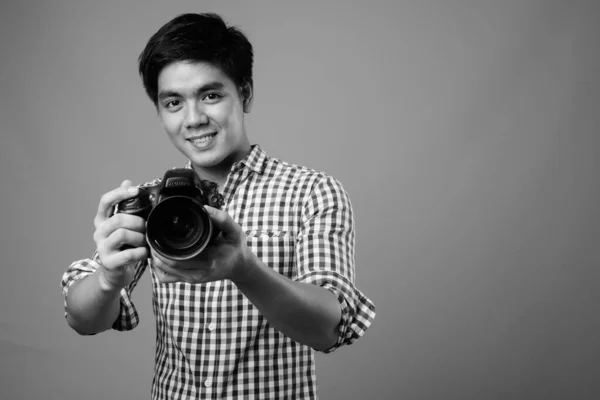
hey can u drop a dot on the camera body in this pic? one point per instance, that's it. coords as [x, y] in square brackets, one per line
[178, 226]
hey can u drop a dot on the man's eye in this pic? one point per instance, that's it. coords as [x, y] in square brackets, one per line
[172, 104]
[212, 97]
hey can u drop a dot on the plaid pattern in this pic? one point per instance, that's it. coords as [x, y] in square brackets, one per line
[211, 342]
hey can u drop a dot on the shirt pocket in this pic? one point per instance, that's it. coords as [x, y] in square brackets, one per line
[275, 248]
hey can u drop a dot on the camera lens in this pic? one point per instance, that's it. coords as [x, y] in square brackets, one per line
[181, 228]
[178, 227]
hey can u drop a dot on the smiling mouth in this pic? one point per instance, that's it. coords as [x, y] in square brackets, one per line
[201, 140]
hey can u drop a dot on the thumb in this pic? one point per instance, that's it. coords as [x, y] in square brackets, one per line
[223, 221]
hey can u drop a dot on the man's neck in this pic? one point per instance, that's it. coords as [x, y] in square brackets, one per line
[219, 173]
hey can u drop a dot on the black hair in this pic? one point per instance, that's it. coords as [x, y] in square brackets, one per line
[196, 38]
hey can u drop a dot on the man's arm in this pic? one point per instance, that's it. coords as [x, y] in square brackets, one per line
[321, 306]
[304, 312]
[94, 288]
[90, 307]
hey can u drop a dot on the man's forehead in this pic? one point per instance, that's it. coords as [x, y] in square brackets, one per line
[185, 75]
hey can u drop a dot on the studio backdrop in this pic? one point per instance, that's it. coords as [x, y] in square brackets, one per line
[466, 133]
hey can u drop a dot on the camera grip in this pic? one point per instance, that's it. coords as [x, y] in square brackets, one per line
[134, 206]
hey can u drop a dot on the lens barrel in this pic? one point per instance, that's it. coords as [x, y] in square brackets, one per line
[178, 228]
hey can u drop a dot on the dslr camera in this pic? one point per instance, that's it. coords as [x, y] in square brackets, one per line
[178, 226]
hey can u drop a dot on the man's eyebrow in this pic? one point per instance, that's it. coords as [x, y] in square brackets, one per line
[204, 88]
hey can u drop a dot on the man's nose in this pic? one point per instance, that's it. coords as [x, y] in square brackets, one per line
[196, 116]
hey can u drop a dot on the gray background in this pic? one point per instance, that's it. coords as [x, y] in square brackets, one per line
[466, 133]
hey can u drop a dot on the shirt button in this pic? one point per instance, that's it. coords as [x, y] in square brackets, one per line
[211, 327]
[207, 383]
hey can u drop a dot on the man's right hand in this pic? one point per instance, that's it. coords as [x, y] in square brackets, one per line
[112, 233]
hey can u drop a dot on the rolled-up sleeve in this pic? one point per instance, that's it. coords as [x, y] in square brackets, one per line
[325, 256]
[128, 317]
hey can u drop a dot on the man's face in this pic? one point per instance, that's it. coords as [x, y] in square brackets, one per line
[202, 110]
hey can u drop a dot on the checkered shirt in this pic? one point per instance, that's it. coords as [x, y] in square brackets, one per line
[211, 342]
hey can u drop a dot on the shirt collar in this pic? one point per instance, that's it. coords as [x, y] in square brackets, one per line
[255, 160]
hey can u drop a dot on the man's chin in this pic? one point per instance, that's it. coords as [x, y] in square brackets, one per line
[207, 160]
[213, 157]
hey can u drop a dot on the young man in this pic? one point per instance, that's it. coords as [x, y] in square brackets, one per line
[242, 319]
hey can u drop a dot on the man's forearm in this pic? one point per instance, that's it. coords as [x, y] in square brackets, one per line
[91, 308]
[306, 313]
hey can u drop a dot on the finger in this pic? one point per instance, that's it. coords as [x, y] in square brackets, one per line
[176, 274]
[126, 221]
[164, 264]
[110, 199]
[124, 237]
[165, 277]
[158, 259]
[124, 257]
[223, 221]
[165, 274]
[182, 268]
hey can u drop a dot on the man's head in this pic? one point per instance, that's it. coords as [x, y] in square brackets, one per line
[197, 37]
[198, 73]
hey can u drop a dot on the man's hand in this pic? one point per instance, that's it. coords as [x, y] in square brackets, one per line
[112, 233]
[225, 257]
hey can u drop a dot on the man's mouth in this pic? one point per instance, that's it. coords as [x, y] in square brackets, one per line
[202, 141]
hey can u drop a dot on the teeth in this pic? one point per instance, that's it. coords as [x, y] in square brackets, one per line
[203, 139]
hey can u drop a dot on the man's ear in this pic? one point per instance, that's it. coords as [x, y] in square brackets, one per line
[247, 93]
